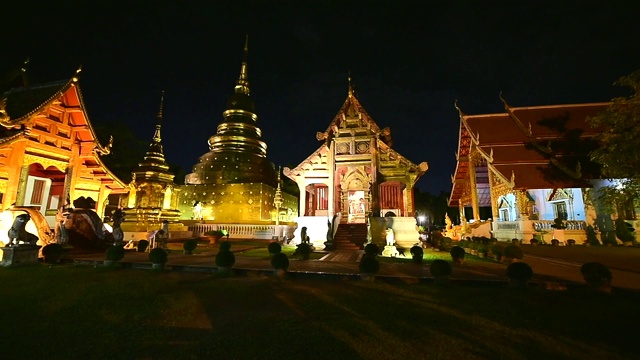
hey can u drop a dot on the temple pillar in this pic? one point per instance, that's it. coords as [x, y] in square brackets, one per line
[408, 199]
[494, 196]
[103, 200]
[522, 201]
[463, 218]
[303, 200]
[22, 185]
[474, 190]
[331, 191]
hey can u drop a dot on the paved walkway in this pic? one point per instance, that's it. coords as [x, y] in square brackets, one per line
[551, 266]
[548, 272]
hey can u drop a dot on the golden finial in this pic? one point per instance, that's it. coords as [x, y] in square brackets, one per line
[242, 85]
[350, 84]
[24, 65]
[161, 107]
[77, 74]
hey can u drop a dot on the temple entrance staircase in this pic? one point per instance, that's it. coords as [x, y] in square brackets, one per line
[350, 237]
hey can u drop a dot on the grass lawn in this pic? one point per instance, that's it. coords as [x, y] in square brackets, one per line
[75, 312]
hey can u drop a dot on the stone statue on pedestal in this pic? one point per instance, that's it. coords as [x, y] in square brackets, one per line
[18, 233]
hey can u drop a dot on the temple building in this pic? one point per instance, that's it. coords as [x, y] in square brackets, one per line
[152, 197]
[356, 175]
[235, 183]
[49, 152]
[530, 165]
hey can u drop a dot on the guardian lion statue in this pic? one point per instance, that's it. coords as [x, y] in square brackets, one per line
[18, 233]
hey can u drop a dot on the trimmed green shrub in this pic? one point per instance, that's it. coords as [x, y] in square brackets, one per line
[623, 231]
[189, 245]
[497, 250]
[457, 254]
[115, 253]
[143, 245]
[303, 250]
[280, 261]
[368, 265]
[592, 237]
[225, 258]
[274, 247]
[417, 254]
[225, 246]
[445, 243]
[513, 252]
[158, 256]
[371, 249]
[52, 253]
[594, 272]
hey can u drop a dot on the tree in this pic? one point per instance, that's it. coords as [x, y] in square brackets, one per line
[619, 143]
[128, 150]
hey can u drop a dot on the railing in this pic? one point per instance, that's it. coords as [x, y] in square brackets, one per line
[507, 225]
[237, 231]
[546, 225]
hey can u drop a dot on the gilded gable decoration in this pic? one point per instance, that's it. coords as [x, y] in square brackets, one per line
[45, 162]
[560, 194]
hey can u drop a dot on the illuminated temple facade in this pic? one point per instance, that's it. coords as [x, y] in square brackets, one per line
[526, 173]
[49, 152]
[235, 182]
[356, 175]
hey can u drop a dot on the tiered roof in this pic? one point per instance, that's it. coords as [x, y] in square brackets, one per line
[521, 147]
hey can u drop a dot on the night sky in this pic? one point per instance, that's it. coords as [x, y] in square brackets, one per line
[409, 61]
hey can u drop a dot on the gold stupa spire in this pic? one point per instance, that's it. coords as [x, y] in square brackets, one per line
[242, 85]
[156, 136]
[350, 85]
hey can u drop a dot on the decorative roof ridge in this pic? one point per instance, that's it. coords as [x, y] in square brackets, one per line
[519, 124]
[352, 100]
[64, 86]
[384, 146]
[322, 149]
[603, 103]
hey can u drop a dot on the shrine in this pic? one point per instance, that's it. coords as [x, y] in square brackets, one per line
[235, 184]
[357, 179]
[152, 197]
[49, 153]
[534, 170]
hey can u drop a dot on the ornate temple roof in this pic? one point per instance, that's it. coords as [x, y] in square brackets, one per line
[520, 146]
[352, 109]
[353, 120]
[20, 105]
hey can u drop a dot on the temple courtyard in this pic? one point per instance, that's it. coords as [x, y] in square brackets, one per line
[131, 312]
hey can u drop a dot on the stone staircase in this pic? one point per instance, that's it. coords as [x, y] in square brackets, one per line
[350, 236]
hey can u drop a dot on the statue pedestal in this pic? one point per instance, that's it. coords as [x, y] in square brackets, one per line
[390, 251]
[20, 255]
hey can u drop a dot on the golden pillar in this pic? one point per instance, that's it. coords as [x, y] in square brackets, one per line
[463, 218]
[474, 188]
[22, 185]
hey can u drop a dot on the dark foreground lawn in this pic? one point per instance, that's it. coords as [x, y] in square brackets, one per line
[67, 312]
